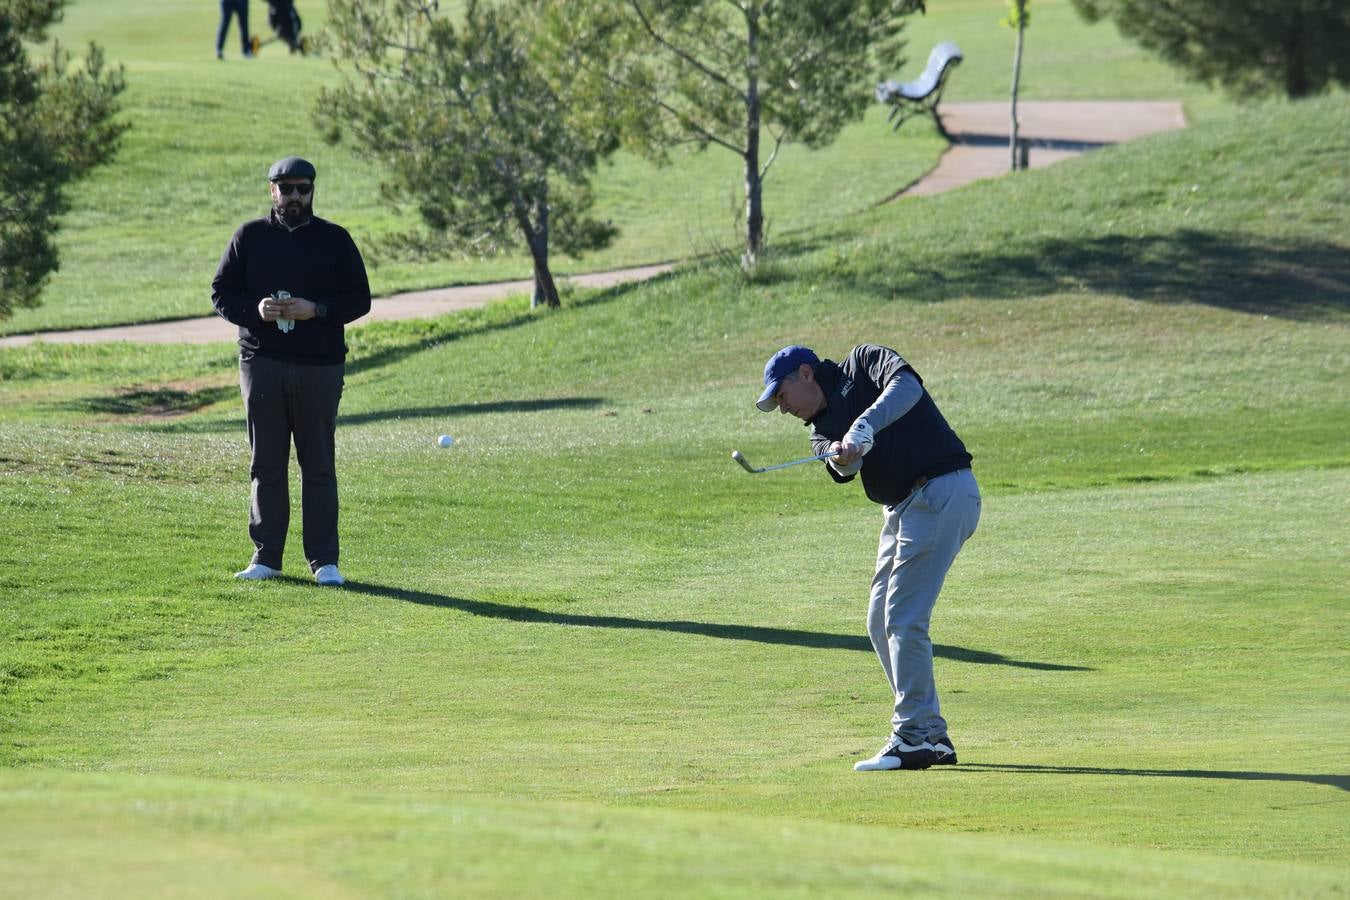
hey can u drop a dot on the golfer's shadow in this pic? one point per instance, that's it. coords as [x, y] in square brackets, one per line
[1341, 782]
[757, 633]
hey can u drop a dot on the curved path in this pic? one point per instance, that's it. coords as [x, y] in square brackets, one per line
[410, 305]
[1053, 130]
[979, 149]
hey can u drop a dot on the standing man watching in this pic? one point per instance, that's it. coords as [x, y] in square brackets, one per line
[873, 413]
[291, 281]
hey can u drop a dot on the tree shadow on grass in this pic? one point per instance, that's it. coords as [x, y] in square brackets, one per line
[444, 411]
[1301, 280]
[1342, 782]
[431, 333]
[157, 401]
[756, 633]
[469, 409]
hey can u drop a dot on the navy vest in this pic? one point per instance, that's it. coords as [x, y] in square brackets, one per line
[919, 443]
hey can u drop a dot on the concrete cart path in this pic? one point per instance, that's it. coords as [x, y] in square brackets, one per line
[979, 150]
[410, 305]
[1054, 130]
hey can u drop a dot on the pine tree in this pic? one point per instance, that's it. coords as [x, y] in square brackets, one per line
[56, 123]
[1252, 48]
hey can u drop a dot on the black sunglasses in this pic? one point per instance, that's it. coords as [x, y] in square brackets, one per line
[284, 189]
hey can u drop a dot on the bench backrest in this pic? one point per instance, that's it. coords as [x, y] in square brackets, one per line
[942, 56]
[928, 84]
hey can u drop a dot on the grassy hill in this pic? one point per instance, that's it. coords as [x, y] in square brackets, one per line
[146, 233]
[584, 653]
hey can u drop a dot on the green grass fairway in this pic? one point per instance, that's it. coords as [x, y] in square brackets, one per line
[145, 234]
[583, 654]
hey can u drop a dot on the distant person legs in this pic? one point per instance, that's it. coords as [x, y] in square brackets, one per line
[229, 9]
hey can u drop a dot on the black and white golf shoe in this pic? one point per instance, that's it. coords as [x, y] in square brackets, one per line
[898, 753]
[945, 750]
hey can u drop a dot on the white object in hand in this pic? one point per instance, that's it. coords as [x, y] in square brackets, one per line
[445, 440]
[285, 325]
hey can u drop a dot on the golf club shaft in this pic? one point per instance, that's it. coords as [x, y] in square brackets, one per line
[745, 464]
[797, 462]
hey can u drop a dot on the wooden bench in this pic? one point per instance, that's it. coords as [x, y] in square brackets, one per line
[921, 95]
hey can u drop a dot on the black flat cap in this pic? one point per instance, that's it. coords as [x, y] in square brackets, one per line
[291, 167]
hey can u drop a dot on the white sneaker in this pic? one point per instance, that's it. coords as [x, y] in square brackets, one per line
[328, 575]
[898, 753]
[945, 750]
[257, 572]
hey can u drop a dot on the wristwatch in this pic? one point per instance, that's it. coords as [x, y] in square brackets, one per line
[320, 311]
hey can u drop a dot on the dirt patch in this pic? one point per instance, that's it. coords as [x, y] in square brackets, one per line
[155, 402]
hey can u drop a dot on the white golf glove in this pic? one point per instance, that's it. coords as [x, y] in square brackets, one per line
[860, 435]
[285, 325]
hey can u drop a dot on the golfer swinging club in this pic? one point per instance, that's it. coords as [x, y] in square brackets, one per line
[873, 412]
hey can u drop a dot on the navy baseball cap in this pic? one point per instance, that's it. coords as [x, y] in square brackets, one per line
[291, 167]
[780, 365]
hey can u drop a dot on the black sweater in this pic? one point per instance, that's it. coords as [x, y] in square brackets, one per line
[318, 261]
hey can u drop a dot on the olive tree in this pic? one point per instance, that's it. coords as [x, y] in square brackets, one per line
[466, 130]
[748, 76]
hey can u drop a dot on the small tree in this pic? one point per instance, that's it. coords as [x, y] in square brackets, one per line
[709, 72]
[1018, 17]
[466, 130]
[56, 124]
[1251, 47]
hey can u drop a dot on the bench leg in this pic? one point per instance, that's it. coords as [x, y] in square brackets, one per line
[942, 130]
[900, 119]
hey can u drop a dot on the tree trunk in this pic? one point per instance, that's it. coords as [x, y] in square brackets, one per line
[536, 238]
[1296, 83]
[544, 289]
[754, 210]
[754, 199]
[1017, 75]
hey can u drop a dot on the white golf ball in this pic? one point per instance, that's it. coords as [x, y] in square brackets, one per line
[445, 440]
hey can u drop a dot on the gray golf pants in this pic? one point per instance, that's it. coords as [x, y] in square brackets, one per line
[285, 401]
[921, 536]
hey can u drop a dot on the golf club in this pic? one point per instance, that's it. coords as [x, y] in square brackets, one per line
[745, 463]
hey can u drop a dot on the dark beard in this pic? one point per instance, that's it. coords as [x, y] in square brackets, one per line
[291, 217]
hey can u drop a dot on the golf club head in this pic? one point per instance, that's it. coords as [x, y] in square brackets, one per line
[736, 455]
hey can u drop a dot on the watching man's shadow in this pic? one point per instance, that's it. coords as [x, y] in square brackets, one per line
[1341, 782]
[757, 633]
